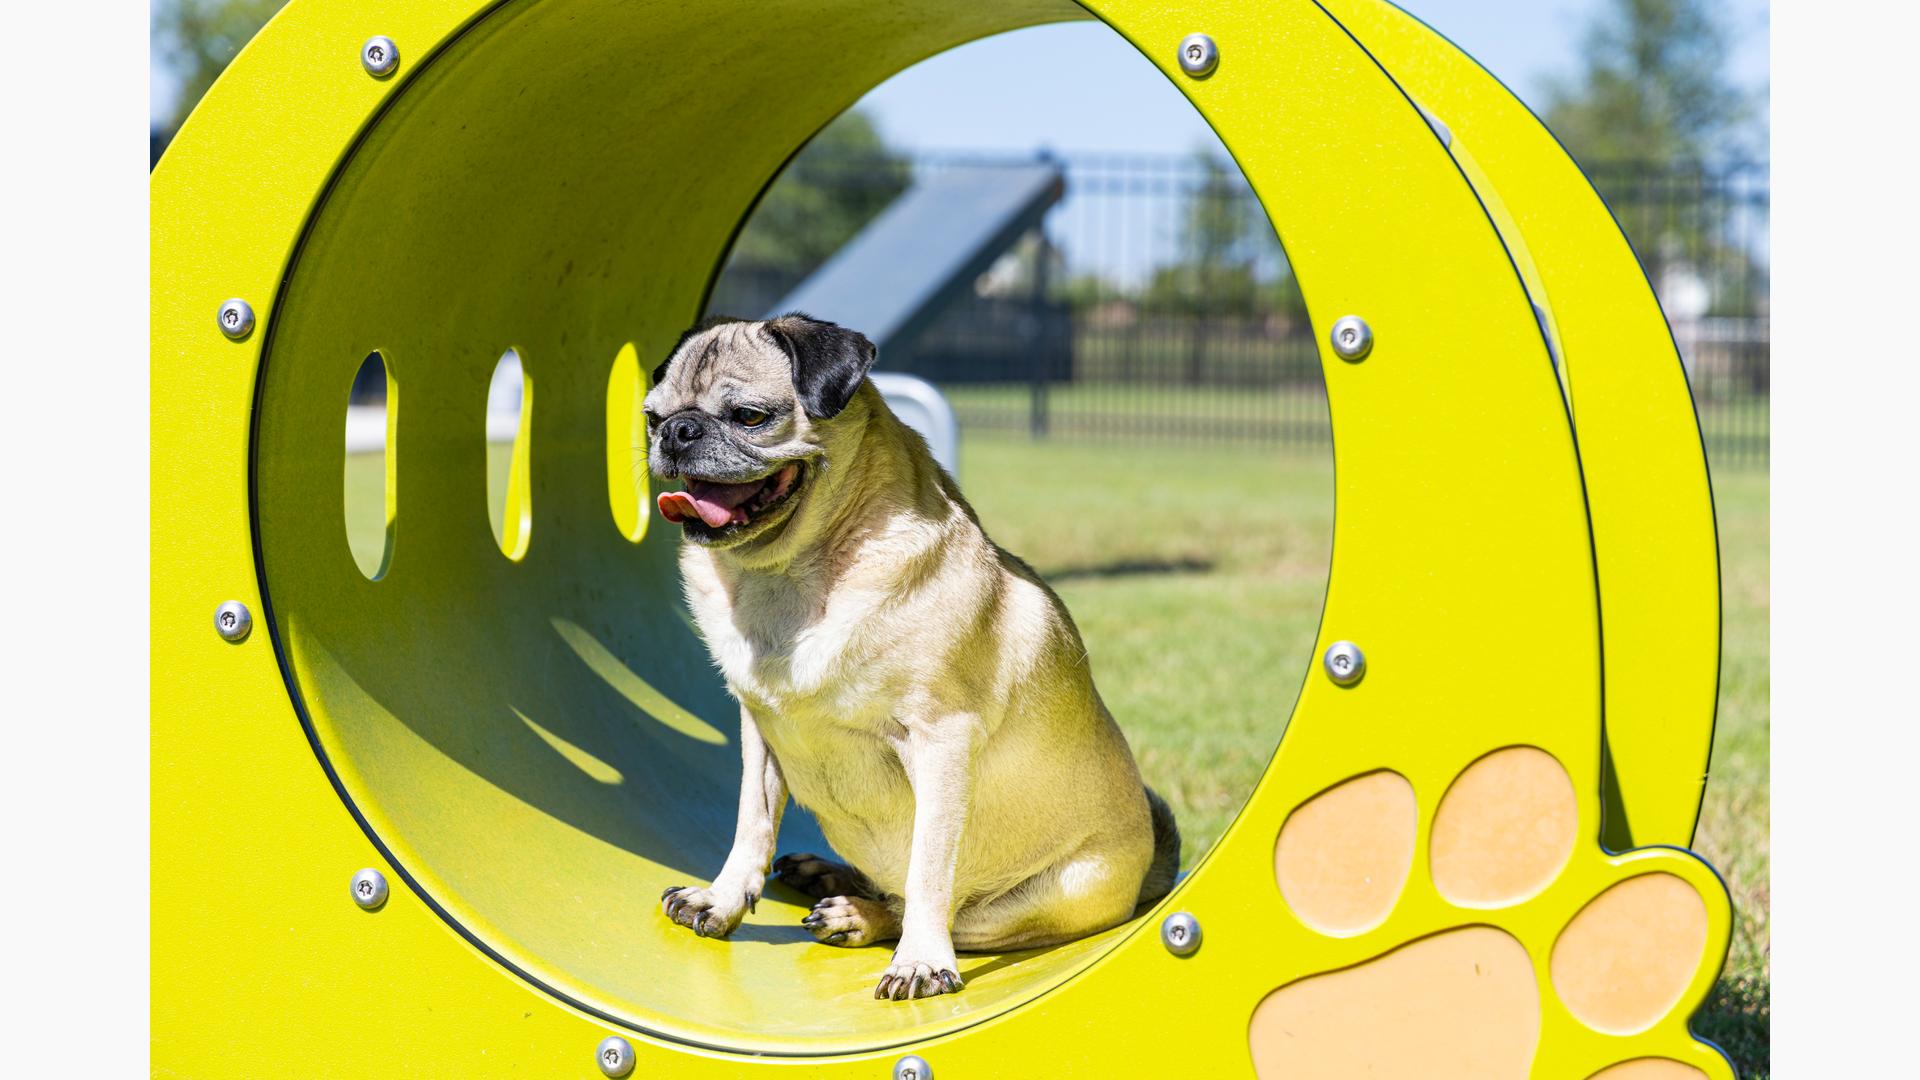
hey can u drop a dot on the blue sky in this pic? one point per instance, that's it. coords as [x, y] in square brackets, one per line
[1081, 87]
[1094, 92]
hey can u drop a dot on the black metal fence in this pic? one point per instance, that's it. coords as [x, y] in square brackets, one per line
[1156, 301]
[1702, 236]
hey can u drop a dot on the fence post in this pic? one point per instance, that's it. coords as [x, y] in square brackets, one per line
[1038, 353]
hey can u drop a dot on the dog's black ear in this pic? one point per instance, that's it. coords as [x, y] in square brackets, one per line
[702, 326]
[828, 361]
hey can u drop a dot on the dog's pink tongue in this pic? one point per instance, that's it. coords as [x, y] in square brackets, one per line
[676, 506]
[715, 504]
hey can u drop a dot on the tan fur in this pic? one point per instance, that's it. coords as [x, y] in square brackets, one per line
[921, 691]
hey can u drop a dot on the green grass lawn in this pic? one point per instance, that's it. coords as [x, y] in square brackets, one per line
[1197, 635]
[1735, 816]
[1200, 636]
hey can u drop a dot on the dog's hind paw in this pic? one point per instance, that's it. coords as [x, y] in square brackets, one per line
[818, 877]
[703, 911]
[851, 921]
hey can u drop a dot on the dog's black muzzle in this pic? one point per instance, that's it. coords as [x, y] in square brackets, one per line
[681, 431]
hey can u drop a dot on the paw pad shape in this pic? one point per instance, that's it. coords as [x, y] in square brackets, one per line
[1489, 938]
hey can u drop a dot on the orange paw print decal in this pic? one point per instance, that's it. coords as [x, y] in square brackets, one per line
[1525, 945]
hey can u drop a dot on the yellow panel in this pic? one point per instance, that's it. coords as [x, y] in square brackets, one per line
[560, 174]
[579, 643]
[1640, 451]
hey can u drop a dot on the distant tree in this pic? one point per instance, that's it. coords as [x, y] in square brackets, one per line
[1215, 274]
[1200, 289]
[1652, 88]
[1219, 215]
[1216, 245]
[840, 181]
[197, 39]
[1088, 289]
[1651, 115]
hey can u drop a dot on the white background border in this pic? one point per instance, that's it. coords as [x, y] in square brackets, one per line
[1846, 537]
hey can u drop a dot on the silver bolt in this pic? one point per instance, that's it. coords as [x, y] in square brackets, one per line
[369, 889]
[1180, 933]
[912, 1067]
[614, 1056]
[236, 318]
[1352, 338]
[233, 621]
[1345, 663]
[1198, 55]
[379, 55]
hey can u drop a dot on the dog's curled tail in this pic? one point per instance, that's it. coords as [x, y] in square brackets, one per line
[1165, 866]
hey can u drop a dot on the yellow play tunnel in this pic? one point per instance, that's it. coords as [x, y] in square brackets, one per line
[529, 743]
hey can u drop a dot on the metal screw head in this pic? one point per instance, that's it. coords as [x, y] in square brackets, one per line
[1180, 933]
[912, 1067]
[369, 888]
[1345, 663]
[233, 620]
[1198, 55]
[379, 55]
[236, 318]
[614, 1055]
[1352, 338]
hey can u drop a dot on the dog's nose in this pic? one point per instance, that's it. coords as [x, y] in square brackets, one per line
[680, 431]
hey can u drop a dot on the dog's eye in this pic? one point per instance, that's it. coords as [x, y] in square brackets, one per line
[747, 417]
[653, 420]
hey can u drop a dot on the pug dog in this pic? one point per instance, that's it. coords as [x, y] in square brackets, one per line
[916, 687]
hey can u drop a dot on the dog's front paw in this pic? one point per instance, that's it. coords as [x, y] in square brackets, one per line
[708, 912]
[908, 978]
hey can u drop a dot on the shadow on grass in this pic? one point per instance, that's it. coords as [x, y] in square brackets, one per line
[1736, 1018]
[1185, 564]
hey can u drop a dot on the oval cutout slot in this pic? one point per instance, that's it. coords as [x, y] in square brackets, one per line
[367, 495]
[510, 455]
[627, 484]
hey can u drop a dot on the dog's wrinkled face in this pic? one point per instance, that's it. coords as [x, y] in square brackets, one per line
[742, 413]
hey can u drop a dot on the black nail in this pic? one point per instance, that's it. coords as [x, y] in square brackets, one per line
[951, 980]
[753, 902]
[700, 923]
[880, 992]
[836, 937]
[671, 889]
[919, 984]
